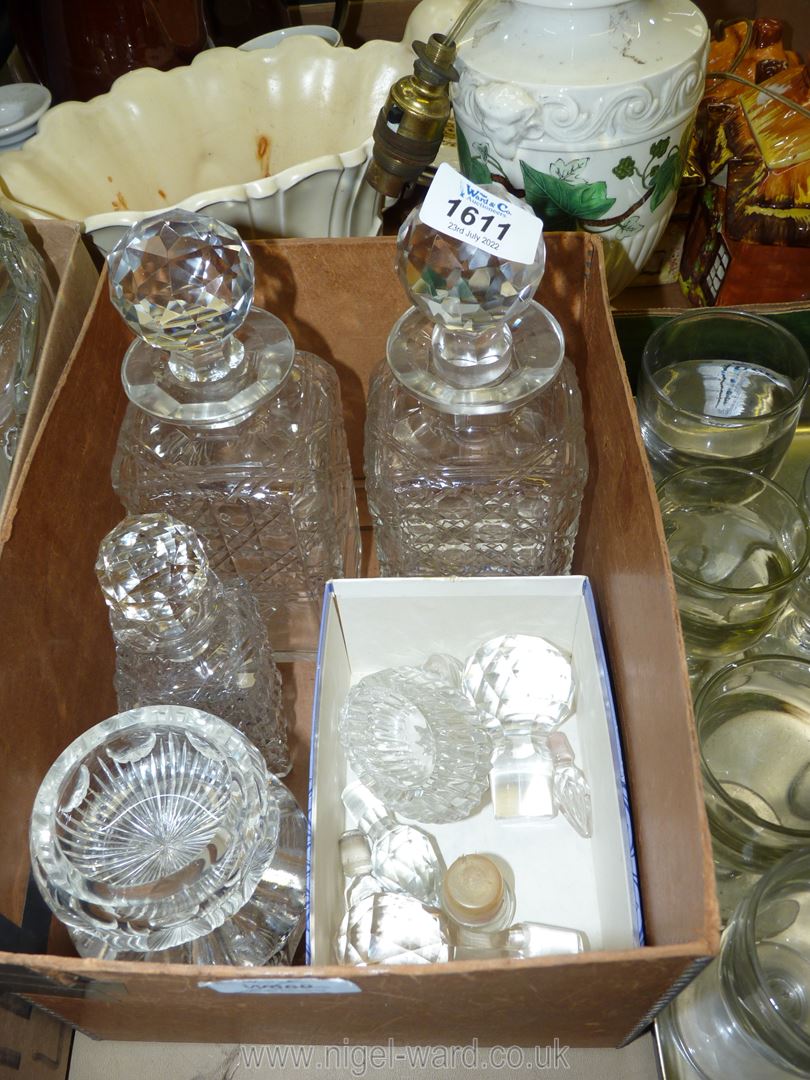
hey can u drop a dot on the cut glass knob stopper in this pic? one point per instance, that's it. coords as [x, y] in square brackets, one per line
[404, 858]
[184, 284]
[462, 286]
[152, 569]
[518, 676]
[181, 280]
[475, 342]
[389, 928]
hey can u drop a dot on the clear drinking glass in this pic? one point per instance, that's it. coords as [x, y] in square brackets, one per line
[747, 1016]
[738, 544]
[159, 834]
[790, 635]
[720, 386]
[753, 723]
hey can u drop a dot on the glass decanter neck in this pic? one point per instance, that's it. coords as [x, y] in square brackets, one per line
[469, 359]
[180, 638]
[207, 365]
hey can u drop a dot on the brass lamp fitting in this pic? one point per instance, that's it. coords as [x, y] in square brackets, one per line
[411, 124]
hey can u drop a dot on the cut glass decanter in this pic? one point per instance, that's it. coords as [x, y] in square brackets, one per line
[182, 637]
[229, 428]
[159, 834]
[416, 743]
[25, 308]
[475, 441]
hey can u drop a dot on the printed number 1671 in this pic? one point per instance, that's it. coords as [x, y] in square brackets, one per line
[471, 215]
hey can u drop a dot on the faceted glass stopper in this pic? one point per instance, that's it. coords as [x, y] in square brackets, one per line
[388, 928]
[181, 280]
[519, 676]
[461, 286]
[152, 569]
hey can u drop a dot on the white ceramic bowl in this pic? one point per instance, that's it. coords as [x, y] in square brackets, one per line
[269, 41]
[274, 141]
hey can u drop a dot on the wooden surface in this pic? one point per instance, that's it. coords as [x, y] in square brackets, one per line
[340, 298]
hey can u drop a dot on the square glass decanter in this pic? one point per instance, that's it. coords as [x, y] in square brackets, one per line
[475, 442]
[229, 427]
[184, 638]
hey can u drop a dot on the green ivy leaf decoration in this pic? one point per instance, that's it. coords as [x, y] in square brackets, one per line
[667, 178]
[560, 203]
[472, 167]
[625, 168]
[658, 149]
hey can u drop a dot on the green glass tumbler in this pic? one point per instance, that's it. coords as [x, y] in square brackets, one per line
[753, 724]
[738, 544]
[720, 387]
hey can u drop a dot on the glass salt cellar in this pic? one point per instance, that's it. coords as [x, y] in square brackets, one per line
[159, 835]
[230, 428]
[182, 637]
[475, 442]
[416, 743]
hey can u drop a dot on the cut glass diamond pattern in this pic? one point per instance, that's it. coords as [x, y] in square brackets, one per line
[183, 281]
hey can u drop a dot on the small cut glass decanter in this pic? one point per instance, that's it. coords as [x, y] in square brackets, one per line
[475, 442]
[183, 638]
[159, 835]
[230, 429]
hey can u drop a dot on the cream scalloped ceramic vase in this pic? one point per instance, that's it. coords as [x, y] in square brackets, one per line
[274, 141]
[586, 106]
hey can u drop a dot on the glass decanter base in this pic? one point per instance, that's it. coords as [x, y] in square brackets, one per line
[475, 495]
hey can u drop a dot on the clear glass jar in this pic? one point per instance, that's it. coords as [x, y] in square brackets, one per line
[747, 1016]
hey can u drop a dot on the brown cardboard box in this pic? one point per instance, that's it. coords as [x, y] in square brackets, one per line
[73, 277]
[340, 299]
